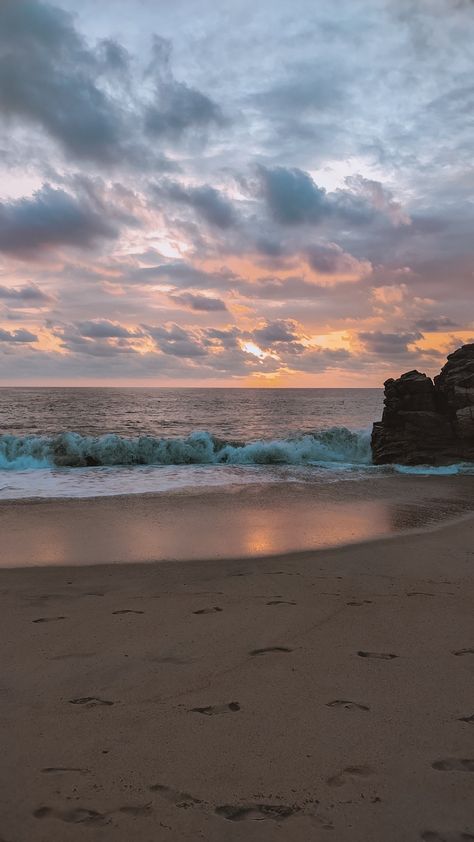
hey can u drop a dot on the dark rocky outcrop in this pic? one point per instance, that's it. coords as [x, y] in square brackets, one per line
[426, 422]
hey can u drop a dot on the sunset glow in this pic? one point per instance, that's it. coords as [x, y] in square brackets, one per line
[232, 205]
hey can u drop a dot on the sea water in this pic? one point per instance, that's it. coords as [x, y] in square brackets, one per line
[86, 442]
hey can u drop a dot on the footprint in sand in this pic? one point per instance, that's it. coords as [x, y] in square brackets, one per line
[348, 705]
[137, 809]
[454, 764]
[59, 770]
[90, 701]
[269, 649]
[48, 619]
[214, 710]
[170, 659]
[83, 815]
[384, 656]
[214, 610]
[463, 652]
[128, 611]
[256, 812]
[280, 602]
[434, 836]
[349, 772]
[79, 815]
[179, 799]
[363, 602]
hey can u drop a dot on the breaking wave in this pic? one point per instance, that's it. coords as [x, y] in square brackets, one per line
[72, 450]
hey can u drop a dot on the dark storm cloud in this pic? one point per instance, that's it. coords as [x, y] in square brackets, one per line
[388, 344]
[21, 336]
[200, 303]
[208, 202]
[28, 294]
[178, 108]
[51, 217]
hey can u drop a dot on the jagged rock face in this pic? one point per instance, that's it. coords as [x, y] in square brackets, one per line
[425, 422]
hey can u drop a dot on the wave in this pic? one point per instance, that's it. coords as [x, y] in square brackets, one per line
[72, 450]
[436, 470]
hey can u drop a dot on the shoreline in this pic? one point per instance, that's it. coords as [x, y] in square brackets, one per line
[242, 522]
[324, 696]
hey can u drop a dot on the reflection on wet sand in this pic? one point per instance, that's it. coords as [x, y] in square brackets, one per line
[216, 525]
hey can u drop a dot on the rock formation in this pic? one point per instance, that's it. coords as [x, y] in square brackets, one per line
[426, 422]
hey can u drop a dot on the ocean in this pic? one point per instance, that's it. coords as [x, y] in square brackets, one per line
[87, 442]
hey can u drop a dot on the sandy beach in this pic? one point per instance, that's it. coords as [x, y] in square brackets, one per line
[317, 695]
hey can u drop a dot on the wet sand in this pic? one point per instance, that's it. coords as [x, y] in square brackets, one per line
[240, 522]
[318, 696]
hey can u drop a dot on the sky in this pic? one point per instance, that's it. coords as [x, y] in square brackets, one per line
[234, 193]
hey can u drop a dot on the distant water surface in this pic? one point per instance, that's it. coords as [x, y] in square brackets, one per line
[243, 414]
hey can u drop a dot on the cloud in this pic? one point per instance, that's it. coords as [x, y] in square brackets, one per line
[28, 294]
[49, 77]
[436, 323]
[292, 196]
[177, 341]
[319, 359]
[184, 275]
[177, 107]
[378, 197]
[208, 202]
[21, 336]
[201, 303]
[281, 330]
[388, 344]
[99, 338]
[104, 329]
[51, 217]
[330, 259]
[313, 193]
[89, 98]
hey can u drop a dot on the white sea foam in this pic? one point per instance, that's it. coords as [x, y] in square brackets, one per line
[71, 465]
[436, 470]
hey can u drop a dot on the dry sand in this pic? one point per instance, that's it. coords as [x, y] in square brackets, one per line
[320, 696]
